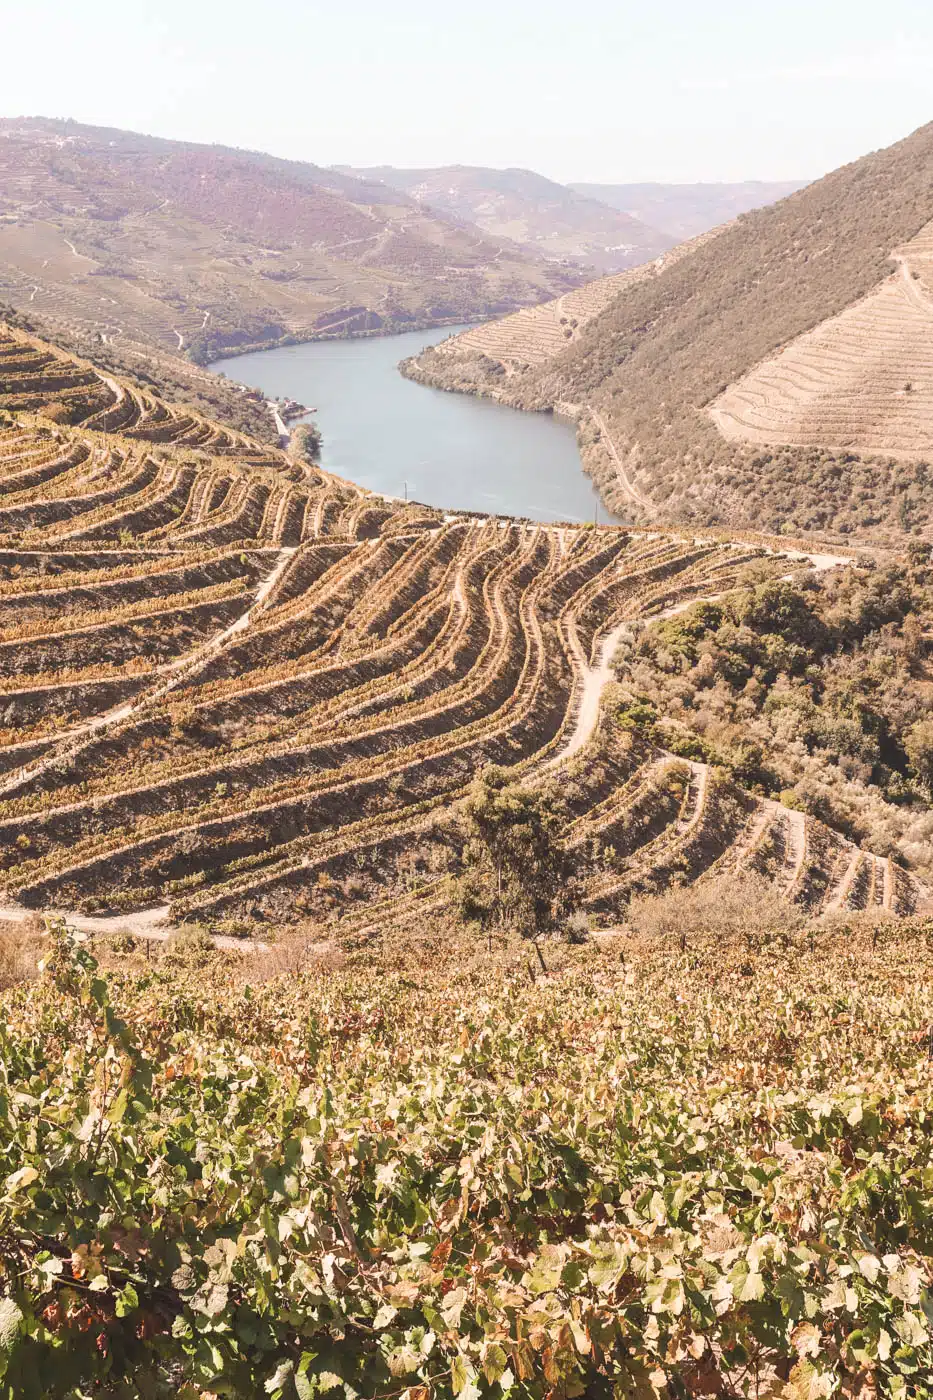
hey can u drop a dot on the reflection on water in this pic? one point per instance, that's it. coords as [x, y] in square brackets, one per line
[448, 450]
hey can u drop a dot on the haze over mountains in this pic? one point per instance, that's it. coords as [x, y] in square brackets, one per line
[609, 227]
[779, 375]
[543, 217]
[683, 211]
[204, 248]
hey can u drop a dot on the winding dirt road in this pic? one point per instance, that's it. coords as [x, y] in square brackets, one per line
[625, 481]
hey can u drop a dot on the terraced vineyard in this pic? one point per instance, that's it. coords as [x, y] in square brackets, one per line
[536, 334]
[233, 687]
[862, 380]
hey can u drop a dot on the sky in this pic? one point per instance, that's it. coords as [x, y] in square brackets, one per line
[589, 90]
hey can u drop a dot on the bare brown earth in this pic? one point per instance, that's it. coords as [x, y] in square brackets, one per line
[120, 237]
[861, 381]
[235, 689]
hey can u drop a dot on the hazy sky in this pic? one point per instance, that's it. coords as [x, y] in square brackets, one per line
[605, 90]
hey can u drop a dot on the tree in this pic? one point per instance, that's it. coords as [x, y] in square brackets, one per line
[919, 746]
[518, 874]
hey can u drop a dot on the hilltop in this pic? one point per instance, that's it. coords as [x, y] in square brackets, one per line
[684, 211]
[236, 689]
[539, 215]
[777, 376]
[116, 236]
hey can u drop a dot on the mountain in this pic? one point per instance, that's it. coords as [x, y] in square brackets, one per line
[542, 217]
[779, 376]
[110, 234]
[535, 335]
[683, 211]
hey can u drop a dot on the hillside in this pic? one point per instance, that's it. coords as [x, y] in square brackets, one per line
[170, 376]
[683, 211]
[235, 689]
[487, 358]
[643, 375]
[118, 236]
[542, 217]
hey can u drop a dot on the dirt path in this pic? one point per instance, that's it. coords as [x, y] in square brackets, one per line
[915, 293]
[841, 892]
[144, 923]
[593, 682]
[797, 831]
[281, 427]
[624, 480]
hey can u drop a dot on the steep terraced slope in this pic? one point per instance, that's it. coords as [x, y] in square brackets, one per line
[861, 381]
[839, 429]
[538, 335]
[232, 688]
[200, 248]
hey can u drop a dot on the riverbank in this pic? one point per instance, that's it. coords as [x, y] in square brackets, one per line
[384, 332]
[394, 437]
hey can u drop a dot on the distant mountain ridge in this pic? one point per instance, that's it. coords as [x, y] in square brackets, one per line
[684, 211]
[543, 217]
[112, 234]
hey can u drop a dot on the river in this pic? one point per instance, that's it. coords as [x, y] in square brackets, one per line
[448, 450]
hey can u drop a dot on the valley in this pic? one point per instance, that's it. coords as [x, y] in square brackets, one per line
[769, 375]
[244, 689]
[466, 720]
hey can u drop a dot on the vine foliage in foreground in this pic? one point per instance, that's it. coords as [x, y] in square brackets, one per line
[699, 1175]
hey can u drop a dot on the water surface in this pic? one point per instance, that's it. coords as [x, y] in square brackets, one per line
[448, 450]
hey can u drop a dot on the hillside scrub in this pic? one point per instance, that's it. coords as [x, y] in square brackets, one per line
[423, 1174]
[816, 693]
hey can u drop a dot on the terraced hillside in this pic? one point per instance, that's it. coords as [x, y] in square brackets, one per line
[776, 378]
[862, 381]
[235, 688]
[537, 335]
[200, 249]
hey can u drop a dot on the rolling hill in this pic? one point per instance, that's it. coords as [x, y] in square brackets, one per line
[542, 217]
[775, 377]
[684, 211]
[234, 688]
[113, 235]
